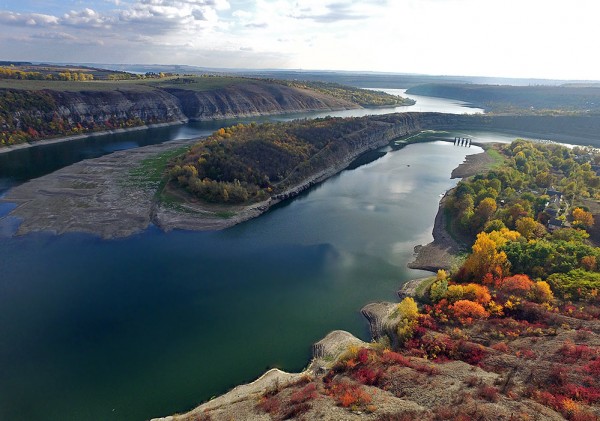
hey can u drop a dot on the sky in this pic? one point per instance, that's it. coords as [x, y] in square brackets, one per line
[499, 38]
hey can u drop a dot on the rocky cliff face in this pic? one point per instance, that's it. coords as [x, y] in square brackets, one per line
[49, 113]
[251, 99]
[98, 106]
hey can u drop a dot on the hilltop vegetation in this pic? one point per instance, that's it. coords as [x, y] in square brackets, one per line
[247, 163]
[362, 97]
[539, 100]
[38, 102]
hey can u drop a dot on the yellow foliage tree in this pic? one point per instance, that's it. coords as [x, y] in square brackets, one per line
[541, 293]
[530, 228]
[485, 257]
[409, 313]
[502, 236]
[581, 217]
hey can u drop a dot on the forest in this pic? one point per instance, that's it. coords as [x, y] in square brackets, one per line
[248, 163]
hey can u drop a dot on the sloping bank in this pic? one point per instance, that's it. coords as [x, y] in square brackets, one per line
[40, 116]
[116, 195]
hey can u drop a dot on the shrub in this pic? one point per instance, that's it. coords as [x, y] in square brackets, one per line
[308, 392]
[541, 293]
[489, 393]
[349, 395]
[517, 285]
[455, 293]
[478, 293]
[501, 347]
[368, 376]
[467, 311]
[269, 404]
[438, 290]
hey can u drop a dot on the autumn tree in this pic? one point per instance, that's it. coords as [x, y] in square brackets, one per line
[466, 311]
[438, 289]
[485, 257]
[409, 313]
[541, 293]
[582, 218]
[517, 285]
[530, 228]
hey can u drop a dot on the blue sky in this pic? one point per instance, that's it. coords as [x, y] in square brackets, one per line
[512, 38]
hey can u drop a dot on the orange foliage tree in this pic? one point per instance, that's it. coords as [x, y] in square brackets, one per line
[467, 311]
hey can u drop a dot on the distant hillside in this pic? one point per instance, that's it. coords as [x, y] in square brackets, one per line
[571, 98]
[35, 106]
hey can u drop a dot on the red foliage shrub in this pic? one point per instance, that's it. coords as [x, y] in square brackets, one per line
[427, 322]
[489, 393]
[517, 285]
[394, 358]
[347, 394]
[500, 346]
[368, 376]
[295, 410]
[557, 376]
[526, 354]
[269, 404]
[363, 355]
[593, 368]
[588, 395]
[430, 370]
[571, 353]
[471, 353]
[308, 392]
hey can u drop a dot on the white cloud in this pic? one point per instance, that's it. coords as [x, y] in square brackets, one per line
[86, 18]
[544, 38]
[31, 19]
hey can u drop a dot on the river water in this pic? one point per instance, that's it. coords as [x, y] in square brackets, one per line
[155, 323]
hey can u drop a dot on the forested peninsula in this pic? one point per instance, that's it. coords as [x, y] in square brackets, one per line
[234, 175]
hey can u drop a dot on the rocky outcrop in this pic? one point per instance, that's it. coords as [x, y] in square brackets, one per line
[380, 318]
[52, 113]
[98, 107]
[253, 98]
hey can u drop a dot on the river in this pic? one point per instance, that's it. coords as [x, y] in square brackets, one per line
[155, 323]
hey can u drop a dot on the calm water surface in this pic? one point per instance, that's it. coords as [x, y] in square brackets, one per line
[153, 324]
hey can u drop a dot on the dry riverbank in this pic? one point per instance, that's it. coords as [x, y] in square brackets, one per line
[118, 195]
[442, 251]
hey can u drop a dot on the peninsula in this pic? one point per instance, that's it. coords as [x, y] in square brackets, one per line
[512, 331]
[234, 175]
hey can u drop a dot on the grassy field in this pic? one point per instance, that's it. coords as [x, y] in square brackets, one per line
[193, 83]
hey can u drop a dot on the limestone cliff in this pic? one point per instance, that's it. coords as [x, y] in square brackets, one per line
[253, 98]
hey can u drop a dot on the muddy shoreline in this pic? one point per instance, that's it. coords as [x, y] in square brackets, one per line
[105, 197]
[442, 252]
